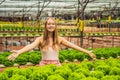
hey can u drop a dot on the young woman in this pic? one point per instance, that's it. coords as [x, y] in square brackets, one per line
[49, 45]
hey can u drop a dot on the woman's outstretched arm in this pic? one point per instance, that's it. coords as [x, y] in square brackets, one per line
[15, 53]
[71, 45]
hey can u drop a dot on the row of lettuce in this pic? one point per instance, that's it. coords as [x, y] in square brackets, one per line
[97, 70]
[19, 34]
[70, 31]
[67, 55]
[28, 28]
[17, 28]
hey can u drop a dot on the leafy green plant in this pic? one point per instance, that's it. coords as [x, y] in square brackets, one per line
[17, 77]
[55, 77]
[89, 78]
[115, 71]
[97, 74]
[41, 73]
[64, 71]
[76, 76]
[3, 76]
[110, 77]
[104, 68]
[11, 71]
[85, 71]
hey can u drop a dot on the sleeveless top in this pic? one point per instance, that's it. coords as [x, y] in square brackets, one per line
[50, 54]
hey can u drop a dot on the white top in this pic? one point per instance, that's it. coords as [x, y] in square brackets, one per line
[50, 54]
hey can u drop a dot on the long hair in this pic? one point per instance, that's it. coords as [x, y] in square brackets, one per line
[46, 42]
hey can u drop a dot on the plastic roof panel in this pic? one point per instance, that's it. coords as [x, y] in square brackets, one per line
[63, 6]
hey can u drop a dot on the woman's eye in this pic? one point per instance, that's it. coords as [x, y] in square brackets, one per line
[50, 24]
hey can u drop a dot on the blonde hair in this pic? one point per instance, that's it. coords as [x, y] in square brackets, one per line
[45, 42]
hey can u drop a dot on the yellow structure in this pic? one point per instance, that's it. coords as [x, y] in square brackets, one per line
[20, 24]
[109, 18]
[81, 25]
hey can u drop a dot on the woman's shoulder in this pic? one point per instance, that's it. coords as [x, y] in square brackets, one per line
[39, 38]
[60, 38]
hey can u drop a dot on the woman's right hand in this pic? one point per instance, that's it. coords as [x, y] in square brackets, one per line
[14, 54]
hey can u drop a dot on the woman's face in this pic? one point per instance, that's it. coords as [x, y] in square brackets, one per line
[50, 25]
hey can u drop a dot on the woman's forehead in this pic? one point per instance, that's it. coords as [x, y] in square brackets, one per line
[50, 20]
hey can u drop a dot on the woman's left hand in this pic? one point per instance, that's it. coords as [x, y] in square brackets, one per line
[92, 55]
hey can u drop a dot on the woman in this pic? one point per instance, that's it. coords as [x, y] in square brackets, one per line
[49, 45]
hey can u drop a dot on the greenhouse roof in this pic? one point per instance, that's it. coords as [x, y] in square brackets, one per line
[31, 7]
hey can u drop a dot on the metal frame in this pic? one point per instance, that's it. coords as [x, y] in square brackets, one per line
[62, 6]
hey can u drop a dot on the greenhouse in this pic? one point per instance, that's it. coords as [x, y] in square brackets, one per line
[59, 39]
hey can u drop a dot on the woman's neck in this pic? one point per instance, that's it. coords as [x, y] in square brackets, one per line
[50, 35]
